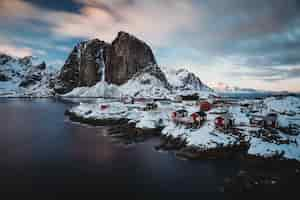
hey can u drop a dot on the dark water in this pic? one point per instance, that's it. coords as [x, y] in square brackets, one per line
[42, 153]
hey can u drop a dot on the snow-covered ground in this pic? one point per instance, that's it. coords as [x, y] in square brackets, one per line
[147, 85]
[206, 137]
[101, 89]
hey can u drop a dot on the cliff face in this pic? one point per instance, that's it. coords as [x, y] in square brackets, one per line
[93, 61]
[128, 56]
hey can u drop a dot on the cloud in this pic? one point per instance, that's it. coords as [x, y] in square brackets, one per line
[257, 39]
[155, 21]
[15, 51]
[17, 9]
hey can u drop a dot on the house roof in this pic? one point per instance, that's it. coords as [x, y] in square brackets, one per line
[201, 113]
[181, 111]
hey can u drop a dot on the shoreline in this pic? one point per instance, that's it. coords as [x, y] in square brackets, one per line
[126, 129]
[257, 175]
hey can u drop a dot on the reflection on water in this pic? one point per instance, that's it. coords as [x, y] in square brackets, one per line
[41, 151]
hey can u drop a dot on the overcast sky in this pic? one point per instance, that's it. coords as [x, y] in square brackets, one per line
[253, 44]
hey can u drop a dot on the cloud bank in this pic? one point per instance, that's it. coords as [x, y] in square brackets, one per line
[257, 39]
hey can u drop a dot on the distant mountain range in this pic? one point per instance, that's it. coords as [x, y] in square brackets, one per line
[94, 67]
[26, 76]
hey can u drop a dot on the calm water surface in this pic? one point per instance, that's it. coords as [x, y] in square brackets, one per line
[41, 152]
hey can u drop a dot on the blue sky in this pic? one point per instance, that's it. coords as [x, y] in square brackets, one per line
[253, 44]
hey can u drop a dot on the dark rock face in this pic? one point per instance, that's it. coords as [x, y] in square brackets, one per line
[4, 59]
[128, 56]
[26, 60]
[155, 71]
[33, 75]
[3, 77]
[190, 81]
[83, 67]
[96, 60]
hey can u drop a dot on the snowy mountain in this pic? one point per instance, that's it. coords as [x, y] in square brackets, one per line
[26, 76]
[224, 88]
[101, 89]
[149, 83]
[182, 79]
[184, 82]
[96, 60]
[95, 68]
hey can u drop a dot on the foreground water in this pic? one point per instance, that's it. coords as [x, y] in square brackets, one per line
[42, 152]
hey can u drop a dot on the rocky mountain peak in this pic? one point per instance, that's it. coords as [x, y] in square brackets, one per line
[4, 59]
[95, 60]
[183, 79]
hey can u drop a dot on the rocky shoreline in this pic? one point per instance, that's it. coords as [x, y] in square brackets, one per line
[121, 128]
[257, 175]
[124, 129]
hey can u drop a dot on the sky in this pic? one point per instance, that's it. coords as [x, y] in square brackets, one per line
[249, 44]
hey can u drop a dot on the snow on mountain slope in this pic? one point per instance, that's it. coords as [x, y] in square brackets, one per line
[184, 82]
[182, 79]
[146, 85]
[101, 89]
[26, 76]
[282, 105]
[151, 82]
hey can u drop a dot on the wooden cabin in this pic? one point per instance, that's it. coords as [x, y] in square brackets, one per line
[205, 106]
[195, 120]
[225, 121]
[180, 117]
[268, 121]
[179, 114]
[198, 118]
[178, 99]
[104, 107]
[150, 106]
[190, 97]
[127, 100]
[257, 120]
[271, 120]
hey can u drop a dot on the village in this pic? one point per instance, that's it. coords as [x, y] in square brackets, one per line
[266, 128]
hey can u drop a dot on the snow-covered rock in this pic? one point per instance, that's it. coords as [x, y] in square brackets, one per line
[182, 79]
[147, 84]
[282, 105]
[26, 76]
[207, 137]
[101, 89]
[95, 60]
[184, 82]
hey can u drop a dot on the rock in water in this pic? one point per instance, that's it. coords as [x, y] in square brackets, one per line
[95, 60]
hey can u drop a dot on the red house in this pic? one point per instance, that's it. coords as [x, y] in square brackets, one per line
[271, 120]
[219, 122]
[104, 107]
[205, 106]
[224, 122]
